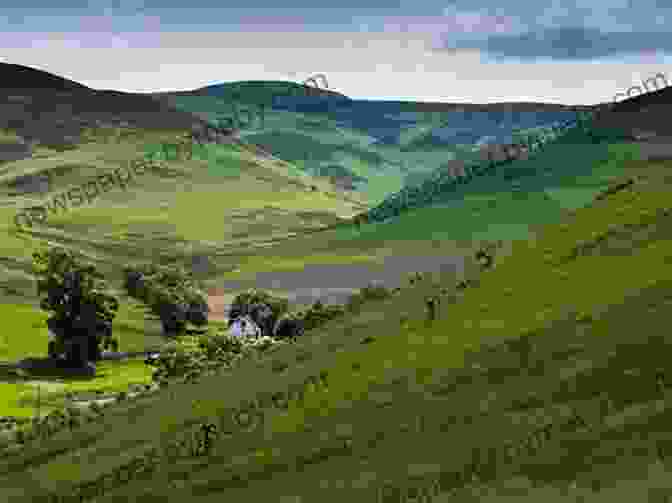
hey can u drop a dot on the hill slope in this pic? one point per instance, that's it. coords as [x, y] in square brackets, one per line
[537, 377]
[378, 145]
[45, 108]
[545, 387]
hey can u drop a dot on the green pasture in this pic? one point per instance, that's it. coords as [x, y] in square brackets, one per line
[570, 303]
[587, 271]
[24, 398]
[507, 204]
[26, 338]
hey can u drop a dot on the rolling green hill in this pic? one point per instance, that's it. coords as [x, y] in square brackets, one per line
[546, 378]
[543, 356]
[380, 142]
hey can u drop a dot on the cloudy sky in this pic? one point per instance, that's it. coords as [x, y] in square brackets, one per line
[553, 51]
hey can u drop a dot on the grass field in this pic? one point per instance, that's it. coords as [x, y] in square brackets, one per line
[184, 209]
[545, 380]
[571, 323]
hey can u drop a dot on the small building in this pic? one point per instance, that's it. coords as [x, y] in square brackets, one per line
[244, 326]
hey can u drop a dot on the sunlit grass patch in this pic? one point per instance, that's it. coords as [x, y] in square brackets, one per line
[252, 265]
[21, 399]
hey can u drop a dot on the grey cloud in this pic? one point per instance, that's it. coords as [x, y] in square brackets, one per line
[569, 43]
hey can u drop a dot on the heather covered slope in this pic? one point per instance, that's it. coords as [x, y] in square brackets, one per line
[542, 367]
[54, 111]
[646, 114]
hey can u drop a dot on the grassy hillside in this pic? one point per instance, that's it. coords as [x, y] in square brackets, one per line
[381, 142]
[222, 204]
[545, 379]
[534, 378]
[225, 187]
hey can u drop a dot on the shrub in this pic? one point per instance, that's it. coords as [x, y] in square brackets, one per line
[262, 343]
[221, 347]
[431, 304]
[180, 358]
[375, 292]
[21, 436]
[370, 292]
[241, 304]
[415, 277]
[354, 303]
[289, 327]
[95, 407]
[318, 314]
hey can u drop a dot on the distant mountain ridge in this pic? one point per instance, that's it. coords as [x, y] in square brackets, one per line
[24, 78]
[43, 107]
[626, 121]
[648, 112]
[380, 142]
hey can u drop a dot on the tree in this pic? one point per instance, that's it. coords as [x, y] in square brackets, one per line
[83, 310]
[170, 293]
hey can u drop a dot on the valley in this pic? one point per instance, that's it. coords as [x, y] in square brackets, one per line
[534, 373]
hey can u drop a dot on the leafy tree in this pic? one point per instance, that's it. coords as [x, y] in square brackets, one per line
[82, 309]
[289, 327]
[318, 314]
[183, 358]
[170, 293]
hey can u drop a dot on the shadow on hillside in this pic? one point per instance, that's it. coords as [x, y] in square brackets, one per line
[43, 368]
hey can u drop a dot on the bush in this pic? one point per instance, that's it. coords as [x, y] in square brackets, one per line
[486, 254]
[192, 356]
[318, 314]
[181, 358]
[221, 347]
[95, 407]
[375, 292]
[370, 293]
[243, 301]
[289, 327]
[354, 303]
[415, 277]
[262, 343]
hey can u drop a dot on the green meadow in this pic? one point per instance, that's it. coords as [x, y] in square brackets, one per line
[567, 336]
[185, 208]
